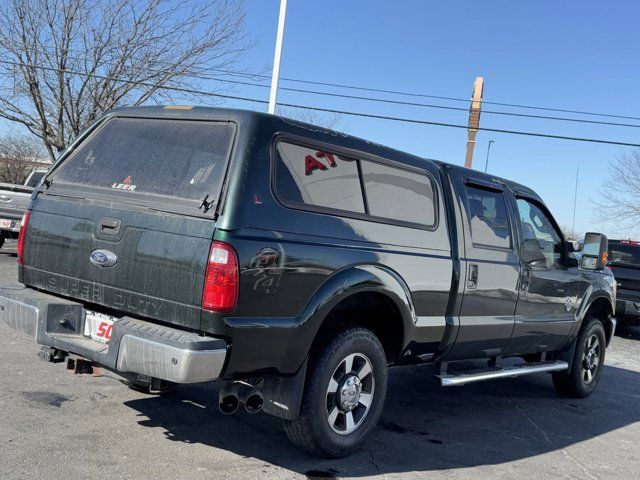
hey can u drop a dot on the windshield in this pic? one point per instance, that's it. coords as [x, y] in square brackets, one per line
[172, 158]
[624, 253]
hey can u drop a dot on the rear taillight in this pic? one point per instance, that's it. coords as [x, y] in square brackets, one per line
[22, 236]
[220, 292]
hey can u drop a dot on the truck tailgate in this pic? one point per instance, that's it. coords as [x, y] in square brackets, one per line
[160, 266]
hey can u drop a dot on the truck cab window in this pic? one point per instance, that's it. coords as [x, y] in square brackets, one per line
[488, 218]
[539, 232]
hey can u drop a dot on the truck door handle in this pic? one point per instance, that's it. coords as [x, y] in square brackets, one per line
[109, 226]
[472, 282]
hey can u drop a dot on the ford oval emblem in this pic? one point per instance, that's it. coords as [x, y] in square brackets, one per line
[103, 258]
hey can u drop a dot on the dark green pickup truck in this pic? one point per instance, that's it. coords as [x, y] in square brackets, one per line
[294, 264]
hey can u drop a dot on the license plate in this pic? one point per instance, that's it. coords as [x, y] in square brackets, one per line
[99, 326]
[6, 223]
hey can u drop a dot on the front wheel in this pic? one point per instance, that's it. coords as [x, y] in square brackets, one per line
[344, 394]
[587, 364]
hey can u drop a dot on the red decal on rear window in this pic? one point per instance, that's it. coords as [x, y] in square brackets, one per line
[328, 156]
[312, 164]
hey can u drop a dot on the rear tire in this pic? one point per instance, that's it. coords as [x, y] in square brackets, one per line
[344, 394]
[1, 240]
[587, 364]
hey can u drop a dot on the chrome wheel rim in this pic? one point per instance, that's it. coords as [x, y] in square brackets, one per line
[591, 359]
[350, 394]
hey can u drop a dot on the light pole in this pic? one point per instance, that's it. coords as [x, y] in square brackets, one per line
[575, 201]
[276, 57]
[486, 162]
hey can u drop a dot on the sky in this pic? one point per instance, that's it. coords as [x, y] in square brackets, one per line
[576, 55]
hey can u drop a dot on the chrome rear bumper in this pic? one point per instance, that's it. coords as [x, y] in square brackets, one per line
[136, 346]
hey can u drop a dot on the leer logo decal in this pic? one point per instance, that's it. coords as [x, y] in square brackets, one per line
[126, 184]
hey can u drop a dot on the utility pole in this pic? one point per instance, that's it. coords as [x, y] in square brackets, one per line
[276, 57]
[486, 162]
[474, 119]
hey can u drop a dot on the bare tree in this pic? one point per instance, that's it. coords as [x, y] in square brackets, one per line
[570, 234]
[620, 195]
[65, 62]
[19, 155]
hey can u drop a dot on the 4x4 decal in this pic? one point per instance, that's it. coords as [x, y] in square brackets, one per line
[267, 263]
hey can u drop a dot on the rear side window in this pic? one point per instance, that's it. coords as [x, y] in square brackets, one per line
[488, 218]
[317, 178]
[398, 194]
[312, 177]
[172, 158]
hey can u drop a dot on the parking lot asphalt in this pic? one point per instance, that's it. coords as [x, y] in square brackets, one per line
[54, 424]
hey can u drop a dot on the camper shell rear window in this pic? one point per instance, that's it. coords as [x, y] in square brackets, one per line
[167, 158]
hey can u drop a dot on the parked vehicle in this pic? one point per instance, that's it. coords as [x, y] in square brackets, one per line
[624, 262]
[14, 201]
[294, 263]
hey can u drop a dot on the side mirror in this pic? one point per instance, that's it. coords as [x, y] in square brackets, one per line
[531, 253]
[595, 251]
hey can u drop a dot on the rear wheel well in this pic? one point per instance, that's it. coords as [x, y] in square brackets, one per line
[372, 310]
[601, 309]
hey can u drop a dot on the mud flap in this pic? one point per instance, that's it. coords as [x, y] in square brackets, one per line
[566, 355]
[282, 395]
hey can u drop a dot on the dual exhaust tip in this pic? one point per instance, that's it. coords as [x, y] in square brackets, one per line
[232, 396]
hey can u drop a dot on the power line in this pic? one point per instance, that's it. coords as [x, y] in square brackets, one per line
[413, 104]
[425, 105]
[409, 94]
[133, 82]
[328, 110]
[453, 125]
[422, 95]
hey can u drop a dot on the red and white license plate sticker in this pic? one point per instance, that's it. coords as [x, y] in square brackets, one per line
[6, 223]
[99, 326]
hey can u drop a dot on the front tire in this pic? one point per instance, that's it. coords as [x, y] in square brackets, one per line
[587, 364]
[344, 394]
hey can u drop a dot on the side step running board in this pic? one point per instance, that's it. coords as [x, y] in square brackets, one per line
[471, 376]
